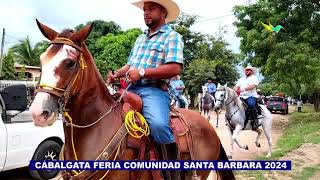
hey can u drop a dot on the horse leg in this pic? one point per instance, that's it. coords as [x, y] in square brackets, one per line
[267, 132]
[217, 119]
[241, 146]
[259, 131]
[205, 113]
[233, 136]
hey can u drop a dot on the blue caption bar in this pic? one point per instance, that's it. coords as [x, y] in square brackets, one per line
[159, 165]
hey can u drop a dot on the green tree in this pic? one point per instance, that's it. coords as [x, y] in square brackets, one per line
[291, 57]
[196, 74]
[115, 49]
[40, 48]
[24, 53]
[100, 29]
[193, 41]
[205, 56]
[8, 70]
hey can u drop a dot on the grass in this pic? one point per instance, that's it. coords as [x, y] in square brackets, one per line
[303, 128]
[308, 172]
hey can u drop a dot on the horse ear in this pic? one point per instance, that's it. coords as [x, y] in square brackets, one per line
[226, 85]
[82, 35]
[219, 84]
[46, 31]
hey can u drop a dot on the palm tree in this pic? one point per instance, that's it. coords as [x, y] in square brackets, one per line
[24, 53]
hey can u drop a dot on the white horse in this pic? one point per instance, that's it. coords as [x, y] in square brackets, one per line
[235, 115]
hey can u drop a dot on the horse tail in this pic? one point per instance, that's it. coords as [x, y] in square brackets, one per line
[225, 174]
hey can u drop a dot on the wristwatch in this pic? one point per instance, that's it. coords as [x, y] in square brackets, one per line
[141, 73]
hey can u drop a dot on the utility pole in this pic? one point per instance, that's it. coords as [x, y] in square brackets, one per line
[1, 55]
[220, 30]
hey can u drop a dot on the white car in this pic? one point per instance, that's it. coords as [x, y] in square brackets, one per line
[20, 140]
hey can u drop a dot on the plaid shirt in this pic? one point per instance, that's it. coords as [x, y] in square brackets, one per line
[151, 51]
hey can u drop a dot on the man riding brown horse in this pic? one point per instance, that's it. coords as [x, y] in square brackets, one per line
[157, 55]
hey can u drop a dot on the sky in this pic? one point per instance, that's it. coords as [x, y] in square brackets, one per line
[18, 16]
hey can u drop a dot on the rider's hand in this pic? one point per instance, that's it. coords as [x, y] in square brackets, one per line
[133, 75]
[110, 77]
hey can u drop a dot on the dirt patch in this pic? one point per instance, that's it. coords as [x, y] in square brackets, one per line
[305, 156]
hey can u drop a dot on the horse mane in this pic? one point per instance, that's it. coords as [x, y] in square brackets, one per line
[87, 55]
[236, 100]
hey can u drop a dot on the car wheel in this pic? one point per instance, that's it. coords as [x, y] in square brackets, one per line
[47, 150]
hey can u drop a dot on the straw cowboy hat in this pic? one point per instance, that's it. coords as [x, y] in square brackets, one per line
[253, 69]
[172, 8]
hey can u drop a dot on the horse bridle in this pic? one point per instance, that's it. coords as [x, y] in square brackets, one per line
[224, 98]
[64, 93]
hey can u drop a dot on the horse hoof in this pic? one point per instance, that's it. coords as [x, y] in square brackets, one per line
[246, 147]
[216, 125]
[258, 145]
[229, 157]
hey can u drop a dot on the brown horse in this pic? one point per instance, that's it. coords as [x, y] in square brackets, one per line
[71, 83]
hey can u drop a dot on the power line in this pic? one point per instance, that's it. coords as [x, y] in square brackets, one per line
[12, 37]
[215, 18]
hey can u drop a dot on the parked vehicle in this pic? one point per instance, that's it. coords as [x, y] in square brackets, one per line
[277, 103]
[20, 140]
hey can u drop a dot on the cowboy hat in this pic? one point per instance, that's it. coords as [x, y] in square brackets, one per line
[253, 69]
[171, 7]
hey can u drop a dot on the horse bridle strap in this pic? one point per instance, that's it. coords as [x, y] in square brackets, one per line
[64, 94]
[222, 100]
[62, 40]
[52, 90]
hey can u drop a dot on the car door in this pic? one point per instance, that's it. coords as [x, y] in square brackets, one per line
[3, 144]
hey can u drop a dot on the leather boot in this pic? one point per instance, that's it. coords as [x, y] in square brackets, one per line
[254, 117]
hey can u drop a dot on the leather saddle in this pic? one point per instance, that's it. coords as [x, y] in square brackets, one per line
[132, 101]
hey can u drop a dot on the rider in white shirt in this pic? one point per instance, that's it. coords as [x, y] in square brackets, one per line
[247, 86]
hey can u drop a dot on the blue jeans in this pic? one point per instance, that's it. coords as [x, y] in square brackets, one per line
[251, 102]
[156, 109]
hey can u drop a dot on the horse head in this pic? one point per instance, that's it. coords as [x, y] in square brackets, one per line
[204, 90]
[62, 73]
[221, 96]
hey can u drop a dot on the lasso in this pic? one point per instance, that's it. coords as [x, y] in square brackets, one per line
[133, 128]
